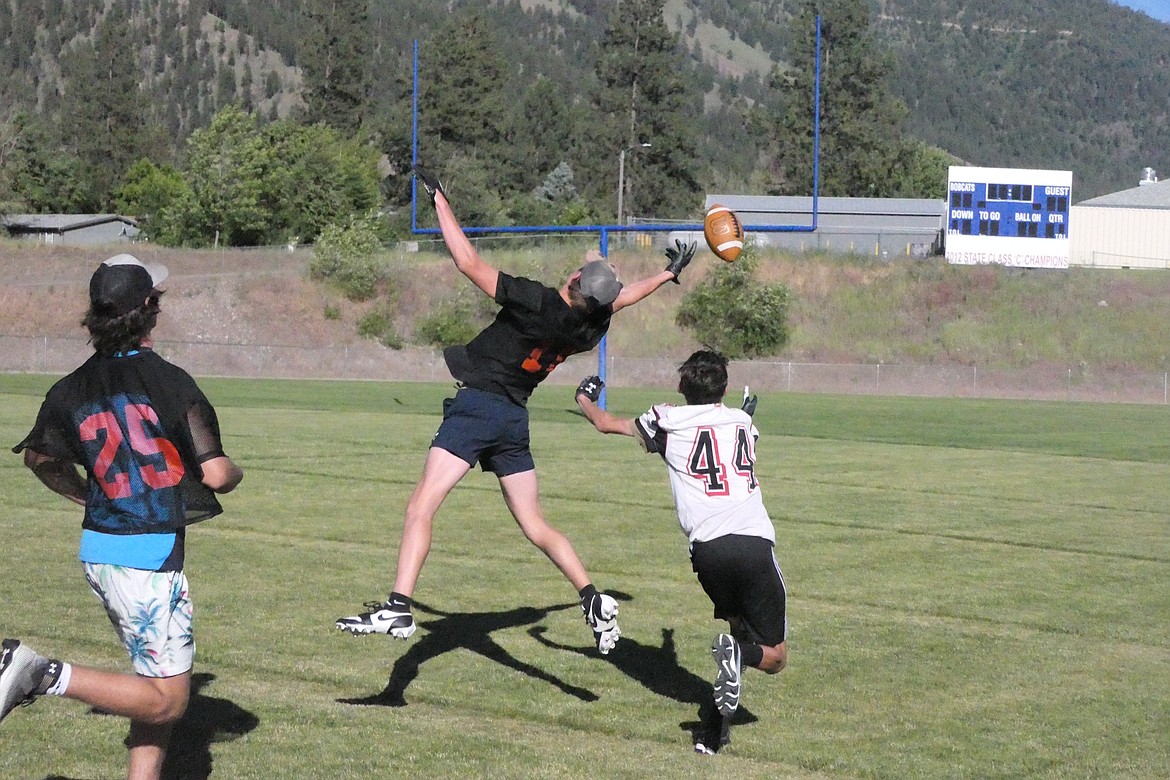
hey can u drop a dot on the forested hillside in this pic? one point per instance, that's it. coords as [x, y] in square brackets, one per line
[1081, 85]
[526, 104]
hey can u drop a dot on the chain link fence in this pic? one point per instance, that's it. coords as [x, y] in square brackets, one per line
[370, 361]
[1048, 383]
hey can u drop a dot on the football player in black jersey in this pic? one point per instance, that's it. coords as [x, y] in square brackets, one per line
[148, 441]
[536, 328]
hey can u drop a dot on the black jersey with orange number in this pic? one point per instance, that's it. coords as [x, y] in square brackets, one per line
[533, 333]
[140, 427]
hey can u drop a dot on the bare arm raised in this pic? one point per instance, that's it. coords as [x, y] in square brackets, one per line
[679, 256]
[467, 260]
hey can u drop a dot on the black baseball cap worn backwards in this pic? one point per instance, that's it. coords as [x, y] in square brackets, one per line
[123, 283]
[600, 282]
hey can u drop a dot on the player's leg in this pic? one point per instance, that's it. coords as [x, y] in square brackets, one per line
[153, 706]
[772, 658]
[760, 621]
[740, 575]
[713, 731]
[714, 563]
[162, 652]
[148, 749]
[147, 700]
[756, 613]
[523, 499]
[157, 703]
[441, 473]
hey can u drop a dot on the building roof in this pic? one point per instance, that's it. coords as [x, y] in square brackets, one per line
[59, 223]
[777, 209]
[1145, 196]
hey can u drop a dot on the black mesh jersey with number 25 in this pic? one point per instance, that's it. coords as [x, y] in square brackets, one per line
[140, 427]
[533, 332]
[710, 452]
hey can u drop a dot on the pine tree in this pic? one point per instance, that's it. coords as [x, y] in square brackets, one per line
[558, 186]
[645, 101]
[336, 62]
[542, 133]
[105, 122]
[463, 107]
[861, 139]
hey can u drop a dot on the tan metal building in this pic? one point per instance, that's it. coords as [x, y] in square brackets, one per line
[1127, 229]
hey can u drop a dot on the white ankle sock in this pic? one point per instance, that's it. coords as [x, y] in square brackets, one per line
[58, 688]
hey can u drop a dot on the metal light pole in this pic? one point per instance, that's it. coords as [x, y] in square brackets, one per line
[622, 175]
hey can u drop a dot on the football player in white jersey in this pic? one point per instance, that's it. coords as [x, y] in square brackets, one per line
[709, 451]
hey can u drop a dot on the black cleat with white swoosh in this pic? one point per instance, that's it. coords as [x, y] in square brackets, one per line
[382, 618]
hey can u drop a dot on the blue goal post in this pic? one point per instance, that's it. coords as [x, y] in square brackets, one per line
[603, 231]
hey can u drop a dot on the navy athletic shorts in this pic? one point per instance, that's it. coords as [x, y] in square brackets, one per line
[741, 576]
[488, 429]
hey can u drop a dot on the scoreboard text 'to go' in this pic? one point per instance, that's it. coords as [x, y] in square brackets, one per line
[1009, 216]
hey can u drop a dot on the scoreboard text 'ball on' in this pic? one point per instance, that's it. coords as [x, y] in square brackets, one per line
[724, 232]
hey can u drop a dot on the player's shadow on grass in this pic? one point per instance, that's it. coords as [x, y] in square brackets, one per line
[208, 719]
[469, 631]
[657, 669]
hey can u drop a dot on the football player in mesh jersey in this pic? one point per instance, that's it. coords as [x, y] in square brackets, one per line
[536, 328]
[709, 451]
[148, 441]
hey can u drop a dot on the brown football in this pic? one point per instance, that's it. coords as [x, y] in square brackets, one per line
[724, 233]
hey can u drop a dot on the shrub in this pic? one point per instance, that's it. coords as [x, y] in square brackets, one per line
[347, 255]
[455, 321]
[732, 312]
[378, 324]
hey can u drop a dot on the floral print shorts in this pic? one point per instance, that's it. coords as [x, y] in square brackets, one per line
[151, 611]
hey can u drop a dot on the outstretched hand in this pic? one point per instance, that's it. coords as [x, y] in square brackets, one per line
[749, 402]
[591, 387]
[679, 256]
[429, 181]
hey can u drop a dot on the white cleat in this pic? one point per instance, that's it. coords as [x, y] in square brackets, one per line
[380, 620]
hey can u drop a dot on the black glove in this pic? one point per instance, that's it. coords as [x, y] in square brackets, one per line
[749, 402]
[590, 387]
[749, 405]
[679, 256]
[429, 181]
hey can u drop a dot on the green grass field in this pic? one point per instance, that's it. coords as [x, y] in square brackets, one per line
[977, 589]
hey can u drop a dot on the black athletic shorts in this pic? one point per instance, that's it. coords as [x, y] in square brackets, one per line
[488, 429]
[741, 576]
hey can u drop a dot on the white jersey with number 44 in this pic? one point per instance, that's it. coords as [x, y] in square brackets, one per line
[710, 452]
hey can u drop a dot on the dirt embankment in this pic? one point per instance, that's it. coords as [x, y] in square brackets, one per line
[256, 313]
[858, 327]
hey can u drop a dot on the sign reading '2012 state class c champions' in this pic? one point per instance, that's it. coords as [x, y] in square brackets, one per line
[1008, 216]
